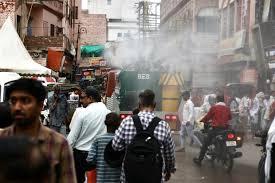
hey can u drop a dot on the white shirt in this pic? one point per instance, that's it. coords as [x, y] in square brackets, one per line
[75, 116]
[188, 114]
[269, 142]
[87, 125]
[74, 96]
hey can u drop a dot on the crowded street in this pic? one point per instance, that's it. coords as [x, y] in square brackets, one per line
[137, 91]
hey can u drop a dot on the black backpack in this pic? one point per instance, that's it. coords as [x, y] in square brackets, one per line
[143, 160]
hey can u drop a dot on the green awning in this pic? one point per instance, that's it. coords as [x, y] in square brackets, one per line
[92, 50]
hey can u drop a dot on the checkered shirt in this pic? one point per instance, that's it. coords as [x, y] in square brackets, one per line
[127, 131]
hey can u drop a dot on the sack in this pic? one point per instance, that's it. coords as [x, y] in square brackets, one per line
[113, 158]
[143, 160]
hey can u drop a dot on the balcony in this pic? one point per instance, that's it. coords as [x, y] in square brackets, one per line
[55, 7]
[229, 45]
[43, 37]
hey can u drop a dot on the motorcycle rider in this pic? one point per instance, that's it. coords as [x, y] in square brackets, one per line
[219, 115]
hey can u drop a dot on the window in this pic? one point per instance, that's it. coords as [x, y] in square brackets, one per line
[127, 34]
[207, 20]
[109, 2]
[45, 28]
[18, 23]
[52, 30]
[76, 12]
[224, 23]
[208, 24]
[231, 19]
[114, 20]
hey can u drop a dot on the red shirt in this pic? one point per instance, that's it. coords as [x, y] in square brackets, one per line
[219, 114]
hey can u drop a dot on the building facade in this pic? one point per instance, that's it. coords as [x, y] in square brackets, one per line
[121, 17]
[195, 24]
[236, 47]
[43, 26]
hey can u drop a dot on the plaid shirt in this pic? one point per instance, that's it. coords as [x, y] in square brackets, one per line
[58, 151]
[127, 131]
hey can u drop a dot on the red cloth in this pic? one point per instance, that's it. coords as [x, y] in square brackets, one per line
[219, 114]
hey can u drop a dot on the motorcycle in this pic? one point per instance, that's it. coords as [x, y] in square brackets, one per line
[261, 164]
[223, 148]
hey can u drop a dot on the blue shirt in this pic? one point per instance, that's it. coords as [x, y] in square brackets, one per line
[104, 173]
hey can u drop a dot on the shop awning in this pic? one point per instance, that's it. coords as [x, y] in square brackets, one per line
[92, 50]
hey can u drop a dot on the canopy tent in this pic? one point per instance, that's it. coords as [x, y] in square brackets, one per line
[92, 50]
[13, 54]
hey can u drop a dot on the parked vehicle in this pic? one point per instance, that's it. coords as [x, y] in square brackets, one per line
[223, 148]
[166, 86]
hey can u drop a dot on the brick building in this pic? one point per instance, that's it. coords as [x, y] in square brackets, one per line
[195, 24]
[264, 41]
[236, 53]
[44, 26]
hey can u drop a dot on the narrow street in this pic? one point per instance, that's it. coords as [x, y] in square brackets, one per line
[244, 170]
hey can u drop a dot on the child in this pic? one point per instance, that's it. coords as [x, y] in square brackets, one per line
[104, 173]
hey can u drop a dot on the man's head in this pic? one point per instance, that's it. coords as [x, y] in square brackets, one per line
[135, 111]
[112, 122]
[23, 156]
[220, 98]
[89, 95]
[26, 97]
[147, 100]
[186, 95]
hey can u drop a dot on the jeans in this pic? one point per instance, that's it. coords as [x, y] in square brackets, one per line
[188, 131]
[80, 164]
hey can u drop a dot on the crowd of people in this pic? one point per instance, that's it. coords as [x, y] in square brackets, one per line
[47, 155]
[131, 150]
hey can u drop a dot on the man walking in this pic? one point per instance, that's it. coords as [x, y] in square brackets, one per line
[86, 127]
[26, 98]
[127, 131]
[58, 107]
[187, 123]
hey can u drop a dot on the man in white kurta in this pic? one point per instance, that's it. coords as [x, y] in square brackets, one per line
[187, 123]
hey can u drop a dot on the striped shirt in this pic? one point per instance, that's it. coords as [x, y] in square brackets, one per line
[104, 173]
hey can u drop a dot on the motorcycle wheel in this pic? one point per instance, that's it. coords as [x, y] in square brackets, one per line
[228, 163]
[261, 170]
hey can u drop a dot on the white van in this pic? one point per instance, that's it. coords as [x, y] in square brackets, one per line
[5, 79]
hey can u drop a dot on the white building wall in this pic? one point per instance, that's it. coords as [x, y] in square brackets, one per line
[125, 10]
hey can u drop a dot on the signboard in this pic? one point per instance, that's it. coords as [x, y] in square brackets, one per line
[249, 76]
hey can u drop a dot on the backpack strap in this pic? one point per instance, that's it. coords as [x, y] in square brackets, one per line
[137, 123]
[153, 124]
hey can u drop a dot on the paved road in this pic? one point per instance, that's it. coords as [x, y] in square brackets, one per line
[244, 170]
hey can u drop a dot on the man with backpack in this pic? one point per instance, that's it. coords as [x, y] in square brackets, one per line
[150, 149]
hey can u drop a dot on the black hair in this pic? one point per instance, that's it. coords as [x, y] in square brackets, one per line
[220, 98]
[186, 93]
[31, 86]
[135, 111]
[112, 119]
[24, 154]
[147, 98]
[5, 115]
[92, 92]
